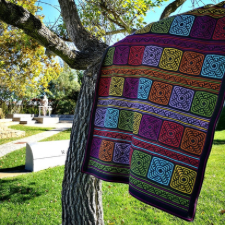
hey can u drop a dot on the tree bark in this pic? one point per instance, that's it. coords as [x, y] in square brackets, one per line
[82, 193]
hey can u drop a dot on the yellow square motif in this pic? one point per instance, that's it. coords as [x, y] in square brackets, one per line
[116, 86]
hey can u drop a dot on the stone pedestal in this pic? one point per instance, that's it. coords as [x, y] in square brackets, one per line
[46, 119]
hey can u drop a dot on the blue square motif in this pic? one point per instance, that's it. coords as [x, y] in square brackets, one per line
[182, 25]
[144, 88]
[214, 66]
[160, 171]
[111, 118]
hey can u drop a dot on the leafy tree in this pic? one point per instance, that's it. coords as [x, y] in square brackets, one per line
[87, 23]
[23, 62]
[63, 92]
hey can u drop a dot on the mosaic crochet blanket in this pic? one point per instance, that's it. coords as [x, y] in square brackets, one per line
[158, 98]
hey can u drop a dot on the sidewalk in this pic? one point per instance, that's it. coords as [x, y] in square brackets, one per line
[12, 146]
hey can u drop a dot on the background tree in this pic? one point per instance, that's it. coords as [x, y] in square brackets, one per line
[81, 194]
[23, 62]
[63, 91]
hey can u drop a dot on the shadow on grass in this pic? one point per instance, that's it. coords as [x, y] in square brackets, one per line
[14, 169]
[17, 192]
[219, 142]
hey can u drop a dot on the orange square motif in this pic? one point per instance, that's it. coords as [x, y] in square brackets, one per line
[193, 141]
[160, 93]
[106, 151]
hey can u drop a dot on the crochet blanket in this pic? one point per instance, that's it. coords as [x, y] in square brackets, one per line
[158, 98]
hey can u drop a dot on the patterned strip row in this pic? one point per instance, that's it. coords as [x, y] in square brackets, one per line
[160, 75]
[156, 110]
[158, 191]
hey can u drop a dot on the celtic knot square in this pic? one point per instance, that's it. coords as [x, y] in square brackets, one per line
[204, 103]
[170, 59]
[140, 163]
[203, 27]
[219, 33]
[106, 151]
[144, 88]
[126, 120]
[136, 55]
[163, 26]
[150, 127]
[193, 141]
[95, 146]
[137, 121]
[108, 61]
[116, 86]
[181, 98]
[191, 63]
[111, 118]
[152, 55]
[214, 66]
[171, 133]
[182, 25]
[183, 179]
[104, 85]
[121, 153]
[160, 93]
[130, 87]
[160, 171]
[100, 117]
[121, 55]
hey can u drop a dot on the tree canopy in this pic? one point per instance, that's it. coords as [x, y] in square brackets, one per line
[23, 62]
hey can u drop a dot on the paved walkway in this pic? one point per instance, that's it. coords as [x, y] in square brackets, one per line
[12, 146]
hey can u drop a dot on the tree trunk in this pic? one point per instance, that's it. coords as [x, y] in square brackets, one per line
[82, 193]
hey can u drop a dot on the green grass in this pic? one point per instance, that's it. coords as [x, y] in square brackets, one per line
[28, 132]
[36, 198]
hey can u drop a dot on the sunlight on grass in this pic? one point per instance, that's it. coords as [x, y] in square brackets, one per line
[36, 198]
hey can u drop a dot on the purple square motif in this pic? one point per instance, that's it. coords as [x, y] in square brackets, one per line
[121, 153]
[100, 117]
[150, 127]
[203, 27]
[95, 146]
[131, 87]
[181, 98]
[121, 55]
[152, 56]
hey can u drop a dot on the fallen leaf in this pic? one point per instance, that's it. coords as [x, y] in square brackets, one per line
[222, 211]
[18, 214]
[109, 186]
[122, 221]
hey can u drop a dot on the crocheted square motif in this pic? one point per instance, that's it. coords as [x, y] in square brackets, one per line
[191, 63]
[106, 151]
[111, 118]
[150, 127]
[108, 61]
[182, 25]
[160, 171]
[144, 88]
[140, 163]
[126, 120]
[121, 153]
[95, 146]
[152, 55]
[100, 117]
[183, 179]
[171, 133]
[104, 85]
[116, 86]
[193, 141]
[131, 87]
[121, 55]
[136, 55]
[170, 59]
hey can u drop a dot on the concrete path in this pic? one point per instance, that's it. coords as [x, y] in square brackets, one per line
[12, 146]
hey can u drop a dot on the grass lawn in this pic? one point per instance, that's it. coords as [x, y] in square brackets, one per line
[36, 198]
[29, 131]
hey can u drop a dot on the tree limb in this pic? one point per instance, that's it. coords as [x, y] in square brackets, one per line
[172, 7]
[79, 35]
[21, 18]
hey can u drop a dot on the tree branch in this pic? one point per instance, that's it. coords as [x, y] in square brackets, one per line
[21, 18]
[79, 35]
[172, 7]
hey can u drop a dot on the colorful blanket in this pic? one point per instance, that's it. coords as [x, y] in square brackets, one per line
[158, 98]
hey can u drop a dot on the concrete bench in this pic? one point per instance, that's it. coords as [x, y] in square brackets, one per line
[42, 155]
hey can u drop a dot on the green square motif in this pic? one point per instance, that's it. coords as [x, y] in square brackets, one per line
[140, 163]
[126, 120]
[108, 61]
[204, 103]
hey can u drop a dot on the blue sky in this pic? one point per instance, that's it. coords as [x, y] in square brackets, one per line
[51, 14]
